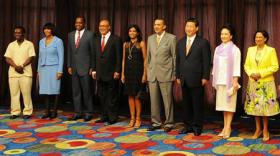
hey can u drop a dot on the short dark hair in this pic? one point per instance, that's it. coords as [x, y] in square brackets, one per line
[106, 20]
[231, 30]
[51, 27]
[20, 27]
[161, 19]
[82, 17]
[193, 20]
[138, 30]
[264, 33]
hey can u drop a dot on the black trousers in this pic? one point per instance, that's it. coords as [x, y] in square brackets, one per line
[108, 92]
[193, 98]
[51, 102]
[82, 94]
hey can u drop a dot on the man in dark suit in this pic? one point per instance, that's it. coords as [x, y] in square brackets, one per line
[106, 70]
[80, 52]
[192, 72]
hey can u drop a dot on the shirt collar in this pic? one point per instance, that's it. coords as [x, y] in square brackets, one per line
[191, 38]
[107, 35]
[81, 31]
[161, 35]
[24, 40]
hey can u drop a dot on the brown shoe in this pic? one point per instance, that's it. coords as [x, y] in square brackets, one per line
[153, 128]
[167, 129]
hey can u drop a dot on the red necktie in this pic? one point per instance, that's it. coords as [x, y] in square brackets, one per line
[78, 39]
[103, 44]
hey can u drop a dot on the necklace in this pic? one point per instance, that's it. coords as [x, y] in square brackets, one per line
[130, 51]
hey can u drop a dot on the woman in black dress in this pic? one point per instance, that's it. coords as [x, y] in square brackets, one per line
[134, 72]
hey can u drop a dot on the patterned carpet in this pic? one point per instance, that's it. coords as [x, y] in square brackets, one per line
[76, 138]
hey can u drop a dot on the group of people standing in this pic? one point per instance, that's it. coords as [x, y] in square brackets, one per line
[261, 64]
[159, 64]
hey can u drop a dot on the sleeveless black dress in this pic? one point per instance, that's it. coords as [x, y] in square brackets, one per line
[133, 70]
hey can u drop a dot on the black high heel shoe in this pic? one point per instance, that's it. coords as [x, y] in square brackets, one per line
[53, 115]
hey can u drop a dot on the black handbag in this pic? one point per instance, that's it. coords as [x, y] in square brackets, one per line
[143, 95]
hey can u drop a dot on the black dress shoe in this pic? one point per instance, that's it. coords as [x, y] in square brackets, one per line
[112, 122]
[87, 118]
[53, 115]
[167, 129]
[153, 128]
[45, 116]
[14, 116]
[186, 131]
[75, 117]
[26, 116]
[107, 123]
[197, 132]
[101, 121]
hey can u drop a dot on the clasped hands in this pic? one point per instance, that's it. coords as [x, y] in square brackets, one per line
[19, 69]
[255, 76]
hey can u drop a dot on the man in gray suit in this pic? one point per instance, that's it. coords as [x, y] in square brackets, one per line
[80, 64]
[161, 73]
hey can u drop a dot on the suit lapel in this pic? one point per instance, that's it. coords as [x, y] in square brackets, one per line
[194, 44]
[108, 44]
[184, 46]
[163, 40]
[99, 44]
[155, 41]
[73, 42]
[82, 38]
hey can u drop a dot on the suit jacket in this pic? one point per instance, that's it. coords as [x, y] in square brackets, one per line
[161, 61]
[194, 67]
[53, 54]
[267, 66]
[79, 59]
[108, 61]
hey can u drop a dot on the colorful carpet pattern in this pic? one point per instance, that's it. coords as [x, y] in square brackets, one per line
[59, 137]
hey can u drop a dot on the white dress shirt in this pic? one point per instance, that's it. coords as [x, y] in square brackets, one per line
[81, 34]
[190, 38]
[106, 37]
[160, 36]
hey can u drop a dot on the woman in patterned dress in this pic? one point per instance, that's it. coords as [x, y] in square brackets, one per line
[260, 65]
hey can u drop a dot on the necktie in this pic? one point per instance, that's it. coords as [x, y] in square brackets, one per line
[188, 46]
[102, 43]
[78, 39]
[158, 40]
